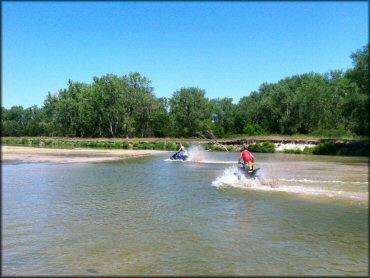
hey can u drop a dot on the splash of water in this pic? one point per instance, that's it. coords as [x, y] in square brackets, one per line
[229, 178]
[197, 153]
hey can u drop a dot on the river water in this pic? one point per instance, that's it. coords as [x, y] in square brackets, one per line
[303, 215]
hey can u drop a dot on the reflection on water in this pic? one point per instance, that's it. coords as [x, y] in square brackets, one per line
[306, 215]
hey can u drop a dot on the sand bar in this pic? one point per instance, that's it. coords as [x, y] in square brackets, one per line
[29, 154]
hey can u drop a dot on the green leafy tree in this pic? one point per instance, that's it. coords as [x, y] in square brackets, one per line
[360, 73]
[161, 122]
[12, 121]
[141, 102]
[113, 106]
[49, 119]
[356, 105]
[223, 116]
[189, 107]
[33, 121]
[109, 103]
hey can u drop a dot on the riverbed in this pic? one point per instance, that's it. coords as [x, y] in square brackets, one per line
[303, 215]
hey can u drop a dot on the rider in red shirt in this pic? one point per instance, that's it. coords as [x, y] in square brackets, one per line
[247, 157]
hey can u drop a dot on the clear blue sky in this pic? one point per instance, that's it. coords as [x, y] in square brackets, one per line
[226, 48]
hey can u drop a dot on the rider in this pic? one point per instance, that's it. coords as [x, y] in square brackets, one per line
[182, 150]
[247, 157]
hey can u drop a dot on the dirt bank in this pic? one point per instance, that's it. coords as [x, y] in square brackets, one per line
[29, 154]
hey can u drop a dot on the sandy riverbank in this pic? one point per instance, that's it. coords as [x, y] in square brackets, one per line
[29, 154]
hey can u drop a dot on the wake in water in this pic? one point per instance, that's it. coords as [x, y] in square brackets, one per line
[231, 178]
[198, 155]
[260, 183]
[324, 181]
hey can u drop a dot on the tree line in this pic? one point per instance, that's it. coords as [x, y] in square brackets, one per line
[125, 106]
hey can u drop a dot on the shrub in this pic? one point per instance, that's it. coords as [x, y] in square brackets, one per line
[218, 148]
[265, 147]
[10, 141]
[268, 147]
[351, 149]
[24, 141]
[48, 142]
[35, 141]
[149, 146]
[140, 146]
[103, 145]
[160, 146]
[325, 148]
[125, 145]
[80, 144]
[92, 144]
[171, 146]
[207, 147]
[115, 145]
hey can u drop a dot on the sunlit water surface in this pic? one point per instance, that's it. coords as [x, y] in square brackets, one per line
[304, 215]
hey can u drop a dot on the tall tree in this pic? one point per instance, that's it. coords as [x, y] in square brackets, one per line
[224, 115]
[357, 104]
[140, 102]
[189, 107]
[13, 121]
[360, 72]
[161, 122]
[108, 94]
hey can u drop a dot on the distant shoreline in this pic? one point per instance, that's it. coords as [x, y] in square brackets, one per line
[78, 155]
[121, 148]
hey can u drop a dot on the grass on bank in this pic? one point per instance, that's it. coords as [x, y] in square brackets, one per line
[343, 147]
[134, 144]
